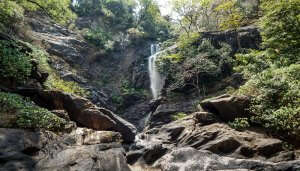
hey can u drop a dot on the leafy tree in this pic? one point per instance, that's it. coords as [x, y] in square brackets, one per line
[116, 14]
[193, 15]
[196, 64]
[59, 10]
[149, 19]
[232, 16]
[274, 70]
[10, 13]
[275, 96]
[280, 30]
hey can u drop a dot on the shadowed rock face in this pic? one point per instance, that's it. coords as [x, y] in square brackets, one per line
[249, 38]
[83, 149]
[227, 107]
[82, 111]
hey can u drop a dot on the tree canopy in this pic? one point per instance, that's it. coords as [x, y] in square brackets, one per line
[59, 10]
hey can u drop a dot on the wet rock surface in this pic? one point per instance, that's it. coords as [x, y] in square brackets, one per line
[194, 160]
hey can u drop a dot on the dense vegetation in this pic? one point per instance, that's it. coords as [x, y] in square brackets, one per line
[12, 11]
[14, 64]
[272, 71]
[199, 61]
[119, 23]
[22, 113]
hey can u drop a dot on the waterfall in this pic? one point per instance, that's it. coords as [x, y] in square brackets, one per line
[156, 80]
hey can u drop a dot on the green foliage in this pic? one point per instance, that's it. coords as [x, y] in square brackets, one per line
[98, 38]
[187, 43]
[273, 72]
[127, 89]
[276, 98]
[54, 82]
[115, 13]
[14, 63]
[150, 20]
[59, 10]
[194, 15]
[280, 30]
[195, 63]
[240, 123]
[187, 48]
[10, 12]
[210, 15]
[179, 116]
[231, 17]
[251, 63]
[28, 115]
[117, 99]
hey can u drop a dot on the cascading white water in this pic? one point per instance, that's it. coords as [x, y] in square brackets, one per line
[156, 80]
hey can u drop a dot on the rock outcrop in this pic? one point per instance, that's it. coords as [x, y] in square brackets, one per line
[206, 131]
[163, 112]
[82, 111]
[227, 107]
[83, 149]
[193, 160]
[249, 38]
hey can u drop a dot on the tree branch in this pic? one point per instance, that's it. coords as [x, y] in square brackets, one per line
[41, 7]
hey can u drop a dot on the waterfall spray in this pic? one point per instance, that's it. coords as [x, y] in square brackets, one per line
[156, 79]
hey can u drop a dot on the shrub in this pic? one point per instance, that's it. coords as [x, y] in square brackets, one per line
[10, 12]
[240, 123]
[28, 115]
[196, 63]
[280, 31]
[55, 83]
[276, 98]
[14, 63]
[98, 37]
[251, 63]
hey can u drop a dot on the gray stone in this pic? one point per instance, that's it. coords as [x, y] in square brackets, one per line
[194, 160]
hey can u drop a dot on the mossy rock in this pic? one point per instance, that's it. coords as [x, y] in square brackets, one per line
[18, 112]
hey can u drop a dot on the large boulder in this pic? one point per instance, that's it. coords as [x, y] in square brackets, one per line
[202, 131]
[227, 107]
[83, 149]
[82, 111]
[164, 113]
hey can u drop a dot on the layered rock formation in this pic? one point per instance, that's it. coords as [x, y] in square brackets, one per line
[83, 149]
[203, 141]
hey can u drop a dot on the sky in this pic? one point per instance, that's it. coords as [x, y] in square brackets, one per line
[165, 7]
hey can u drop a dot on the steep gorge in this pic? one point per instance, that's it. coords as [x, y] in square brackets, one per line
[96, 138]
